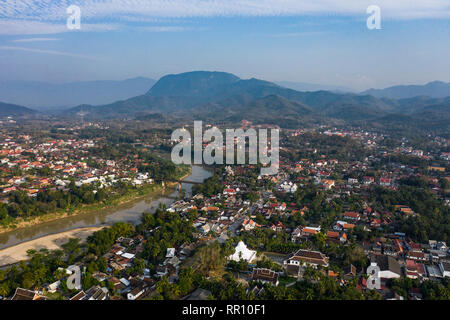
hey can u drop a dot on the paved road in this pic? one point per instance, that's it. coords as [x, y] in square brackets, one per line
[236, 225]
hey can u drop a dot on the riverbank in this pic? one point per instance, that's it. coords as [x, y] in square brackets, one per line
[130, 197]
[18, 252]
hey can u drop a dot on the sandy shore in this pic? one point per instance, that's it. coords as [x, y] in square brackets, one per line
[54, 241]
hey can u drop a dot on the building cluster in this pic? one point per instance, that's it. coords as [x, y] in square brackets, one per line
[30, 166]
[243, 207]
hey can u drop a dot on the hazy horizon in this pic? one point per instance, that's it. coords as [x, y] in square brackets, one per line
[326, 43]
[279, 82]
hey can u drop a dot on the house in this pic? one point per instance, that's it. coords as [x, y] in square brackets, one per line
[350, 271]
[375, 223]
[368, 180]
[243, 253]
[174, 261]
[434, 271]
[404, 209]
[444, 266]
[186, 249]
[170, 253]
[307, 257]
[342, 225]
[416, 255]
[412, 246]
[248, 224]
[389, 266]
[137, 292]
[265, 276]
[417, 153]
[385, 182]
[79, 296]
[336, 237]
[161, 271]
[288, 187]
[277, 227]
[414, 269]
[320, 163]
[438, 245]
[229, 191]
[328, 184]
[206, 228]
[436, 256]
[54, 286]
[125, 282]
[352, 215]
[24, 294]
[97, 293]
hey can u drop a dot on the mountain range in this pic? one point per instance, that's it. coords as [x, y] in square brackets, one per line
[224, 96]
[435, 89]
[220, 96]
[13, 110]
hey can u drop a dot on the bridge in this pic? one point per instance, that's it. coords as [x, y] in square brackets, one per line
[177, 181]
[189, 182]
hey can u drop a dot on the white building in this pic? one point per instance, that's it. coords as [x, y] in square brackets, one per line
[445, 268]
[170, 253]
[243, 253]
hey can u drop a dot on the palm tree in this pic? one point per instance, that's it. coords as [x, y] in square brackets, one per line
[210, 259]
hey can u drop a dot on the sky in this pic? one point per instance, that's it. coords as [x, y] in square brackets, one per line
[314, 41]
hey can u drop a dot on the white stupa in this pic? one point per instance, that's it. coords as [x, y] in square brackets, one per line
[243, 253]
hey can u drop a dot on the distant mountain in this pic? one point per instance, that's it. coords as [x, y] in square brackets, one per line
[436, 89]
[196, 84]
[13, 110]
[225, 97]
[129, 108]
[304, 86]
[223, 90]
[202, 92]
[45, 96]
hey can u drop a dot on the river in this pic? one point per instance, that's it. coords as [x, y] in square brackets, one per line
[129, 212]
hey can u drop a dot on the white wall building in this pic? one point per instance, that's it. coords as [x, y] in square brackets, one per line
[243, 253]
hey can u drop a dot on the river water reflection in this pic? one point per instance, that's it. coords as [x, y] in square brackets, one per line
[130, 212]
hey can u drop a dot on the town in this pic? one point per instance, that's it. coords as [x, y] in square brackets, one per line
[343, 200]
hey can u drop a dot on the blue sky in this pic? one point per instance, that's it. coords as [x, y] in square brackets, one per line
[315, 41]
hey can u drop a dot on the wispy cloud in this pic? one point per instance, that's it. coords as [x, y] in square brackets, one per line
[54, 10]
[44, 51]
[14, 26]
[49, 16]
[35, 39]
[32, 27]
